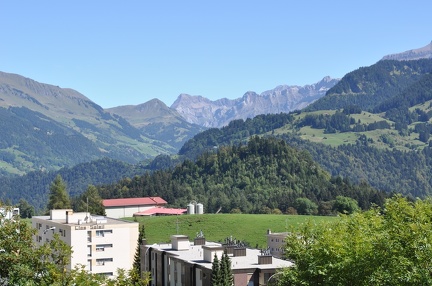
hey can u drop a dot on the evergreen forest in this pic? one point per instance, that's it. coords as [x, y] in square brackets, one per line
[266, 175]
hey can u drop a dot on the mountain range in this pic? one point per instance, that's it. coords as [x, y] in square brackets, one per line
[371, 126]
[45, 127]
[218, 113]
[49, 127]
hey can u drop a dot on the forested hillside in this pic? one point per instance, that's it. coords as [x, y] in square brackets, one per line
[34, 186]
[388, 169]
[265, 175]
[34, 141]
[45, 127]
[368, 87]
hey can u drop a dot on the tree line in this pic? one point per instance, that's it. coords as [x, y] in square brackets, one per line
[263, 176]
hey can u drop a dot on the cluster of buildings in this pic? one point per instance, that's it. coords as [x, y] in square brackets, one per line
[184, 262]
[105, 243]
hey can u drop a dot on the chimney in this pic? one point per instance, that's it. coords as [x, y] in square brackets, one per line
[265, 259]
[69, 216]
[180, 242]
[210, 250]
[199, 241]
[229, 248]
[239, 251]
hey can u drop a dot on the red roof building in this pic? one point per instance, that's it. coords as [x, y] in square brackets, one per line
[127, 207]
[160, 211]
[134, 202]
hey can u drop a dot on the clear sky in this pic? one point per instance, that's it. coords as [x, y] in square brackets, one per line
[128, 52]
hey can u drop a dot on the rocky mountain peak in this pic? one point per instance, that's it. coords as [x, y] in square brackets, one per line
[415, 54]
[284, 98]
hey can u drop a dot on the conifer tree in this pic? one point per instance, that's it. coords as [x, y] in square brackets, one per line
[137, 258]
[216, 274]
[58, 196]
[225, 271]
[90, 201]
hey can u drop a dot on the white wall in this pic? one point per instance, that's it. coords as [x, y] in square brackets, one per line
[124, 239]
[128, 211]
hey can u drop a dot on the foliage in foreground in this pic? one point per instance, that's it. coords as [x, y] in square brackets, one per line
[383, 246]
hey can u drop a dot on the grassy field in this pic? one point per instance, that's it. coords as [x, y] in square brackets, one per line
[393, 139]
[249, 228]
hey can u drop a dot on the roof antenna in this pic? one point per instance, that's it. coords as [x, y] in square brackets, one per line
[86, 217]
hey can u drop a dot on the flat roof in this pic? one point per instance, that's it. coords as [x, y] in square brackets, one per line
[109, 221]
[195, 255]
[133, 202]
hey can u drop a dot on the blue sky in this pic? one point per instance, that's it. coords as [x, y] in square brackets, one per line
[128, 52]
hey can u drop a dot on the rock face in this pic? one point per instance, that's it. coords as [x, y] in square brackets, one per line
[218, 113]
[415, 54]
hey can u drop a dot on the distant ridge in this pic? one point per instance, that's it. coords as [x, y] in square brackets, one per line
[415, 54]
[284, 98]
[158, 121]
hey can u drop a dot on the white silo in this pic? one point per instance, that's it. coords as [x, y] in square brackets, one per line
[199, 208]
[190, 208]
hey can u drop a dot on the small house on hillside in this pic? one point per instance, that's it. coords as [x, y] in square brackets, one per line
[148, 206]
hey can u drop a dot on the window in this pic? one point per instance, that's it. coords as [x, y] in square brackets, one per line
[102, 261]
[102, 247]
[62, 232]
[106, 274]
[89, 254]
[89, 236]
[102, 233]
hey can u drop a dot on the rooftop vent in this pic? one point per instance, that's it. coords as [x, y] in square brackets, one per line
[180, 242]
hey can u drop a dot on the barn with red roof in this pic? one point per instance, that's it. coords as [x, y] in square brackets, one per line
[128, 207]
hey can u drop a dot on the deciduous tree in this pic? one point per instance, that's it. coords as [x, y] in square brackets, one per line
[383, 246]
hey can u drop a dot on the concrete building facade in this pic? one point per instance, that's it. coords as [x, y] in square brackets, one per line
[276, 243]
[102, 244]
[182, 262]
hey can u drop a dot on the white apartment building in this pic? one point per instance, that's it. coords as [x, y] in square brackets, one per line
[100, 243]
[276, 243]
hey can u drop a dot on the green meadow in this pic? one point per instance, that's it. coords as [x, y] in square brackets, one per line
[249, 228]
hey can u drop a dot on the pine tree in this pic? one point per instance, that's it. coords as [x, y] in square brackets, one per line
[216, 273]
[225, 271]
[90, 201]
[58, 197]
[137, 258]
[229, 279]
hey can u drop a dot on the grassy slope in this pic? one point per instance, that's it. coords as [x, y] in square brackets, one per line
[250, 228]
[336, 139]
